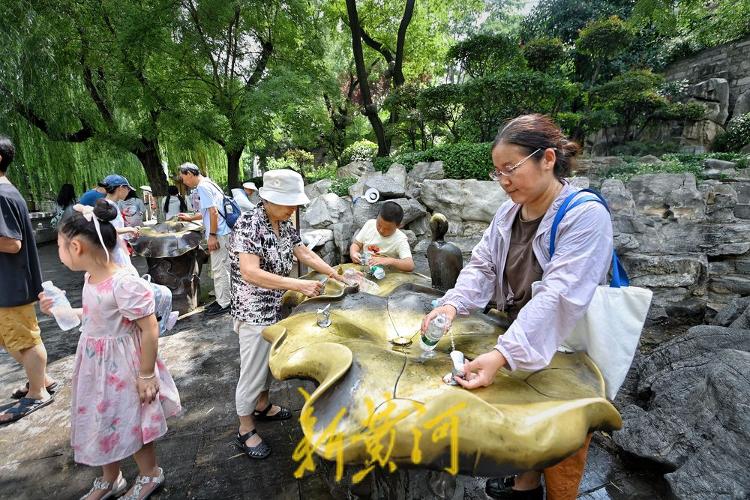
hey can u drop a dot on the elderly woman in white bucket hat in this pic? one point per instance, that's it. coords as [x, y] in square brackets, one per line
[263, 245]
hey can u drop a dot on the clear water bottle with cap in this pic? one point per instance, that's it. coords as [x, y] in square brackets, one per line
[64, 314]
[435, 331]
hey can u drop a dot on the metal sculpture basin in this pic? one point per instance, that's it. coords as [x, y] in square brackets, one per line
[174, 256]
[523, 421]
[168, 239]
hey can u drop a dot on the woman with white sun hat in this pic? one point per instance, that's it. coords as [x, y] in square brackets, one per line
[263, 245]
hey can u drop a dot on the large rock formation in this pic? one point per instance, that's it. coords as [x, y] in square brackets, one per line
[692, 416]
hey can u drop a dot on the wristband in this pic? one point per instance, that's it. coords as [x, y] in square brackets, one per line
[212, 234]
[146, 378]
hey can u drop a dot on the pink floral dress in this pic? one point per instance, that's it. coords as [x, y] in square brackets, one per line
[108, 422]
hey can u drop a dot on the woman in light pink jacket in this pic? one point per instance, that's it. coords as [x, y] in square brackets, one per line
[532, 158]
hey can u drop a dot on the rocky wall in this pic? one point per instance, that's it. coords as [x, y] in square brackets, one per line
[688, 241]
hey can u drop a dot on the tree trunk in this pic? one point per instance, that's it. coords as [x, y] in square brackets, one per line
[370, 109]
[233, 168]
[148, 154]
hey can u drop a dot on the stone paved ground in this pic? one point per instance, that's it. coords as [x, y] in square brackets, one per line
[36, 459]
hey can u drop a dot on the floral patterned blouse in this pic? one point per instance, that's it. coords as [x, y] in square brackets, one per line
[253, 234]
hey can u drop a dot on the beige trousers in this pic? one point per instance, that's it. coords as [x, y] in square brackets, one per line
[255, 377]
[220, 266]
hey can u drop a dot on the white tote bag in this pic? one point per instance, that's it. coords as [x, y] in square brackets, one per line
[612, 325]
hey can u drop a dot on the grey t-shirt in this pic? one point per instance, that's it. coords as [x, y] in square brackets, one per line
[20, 273]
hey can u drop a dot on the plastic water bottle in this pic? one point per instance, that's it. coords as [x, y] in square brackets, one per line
[64, 315]
[435, 331]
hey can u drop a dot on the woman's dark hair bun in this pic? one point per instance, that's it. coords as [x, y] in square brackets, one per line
[105, 211]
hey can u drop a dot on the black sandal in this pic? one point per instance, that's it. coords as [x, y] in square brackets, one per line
[257, 452]
[283, 413]
[21, 393]
[501, 488]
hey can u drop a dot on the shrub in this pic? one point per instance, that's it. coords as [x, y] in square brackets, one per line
[642, 148]
[603, 39]
[299, 157]
[327, 171]
[463, 160]
[737, 135]
[341, 185]
[359, 151]
[672, 166]
[490, 101]
[483, 54]
[543, 54]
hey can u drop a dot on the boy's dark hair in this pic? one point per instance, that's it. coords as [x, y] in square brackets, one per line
[392, 212]
[7, 152]
[77, 225]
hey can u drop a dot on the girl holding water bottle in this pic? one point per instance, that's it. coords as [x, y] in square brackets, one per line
[122, 393]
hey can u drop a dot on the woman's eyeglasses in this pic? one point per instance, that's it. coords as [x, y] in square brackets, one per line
[498, 174]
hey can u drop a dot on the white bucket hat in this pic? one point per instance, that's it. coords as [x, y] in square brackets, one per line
[283, 187]
[249, 185]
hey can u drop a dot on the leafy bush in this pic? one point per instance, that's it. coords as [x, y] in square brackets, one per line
[633, 96]
[279, 163]
[490, 101]
[603, 39]
[737, 135]
[672, 166]
[642, 148]
[676, 163]
[359, 151]
[544, 53]
[327, 171]
[299, 157]
[463, 160]
[341, 185]
[483, 54]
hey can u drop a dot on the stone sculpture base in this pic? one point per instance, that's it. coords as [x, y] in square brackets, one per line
[181, 275]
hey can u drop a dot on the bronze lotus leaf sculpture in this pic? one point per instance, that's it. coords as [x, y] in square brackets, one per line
[168, 239]
[368, 379]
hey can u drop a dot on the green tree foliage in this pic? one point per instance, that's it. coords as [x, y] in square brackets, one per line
[85, 69]
[359, 151]
[563, 19]
[236, 58]
[602, 40]
[737, 135]
[544, 54]
[443, 105]
[492, 100]
[695, 24]
[483, 54]
[636, 100]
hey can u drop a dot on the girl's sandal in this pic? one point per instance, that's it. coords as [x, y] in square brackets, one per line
[145, 486]
[113, 490]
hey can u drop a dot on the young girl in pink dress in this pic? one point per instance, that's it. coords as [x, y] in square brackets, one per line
[122, 392]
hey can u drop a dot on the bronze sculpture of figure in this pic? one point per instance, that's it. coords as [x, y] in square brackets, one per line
[445, 259]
